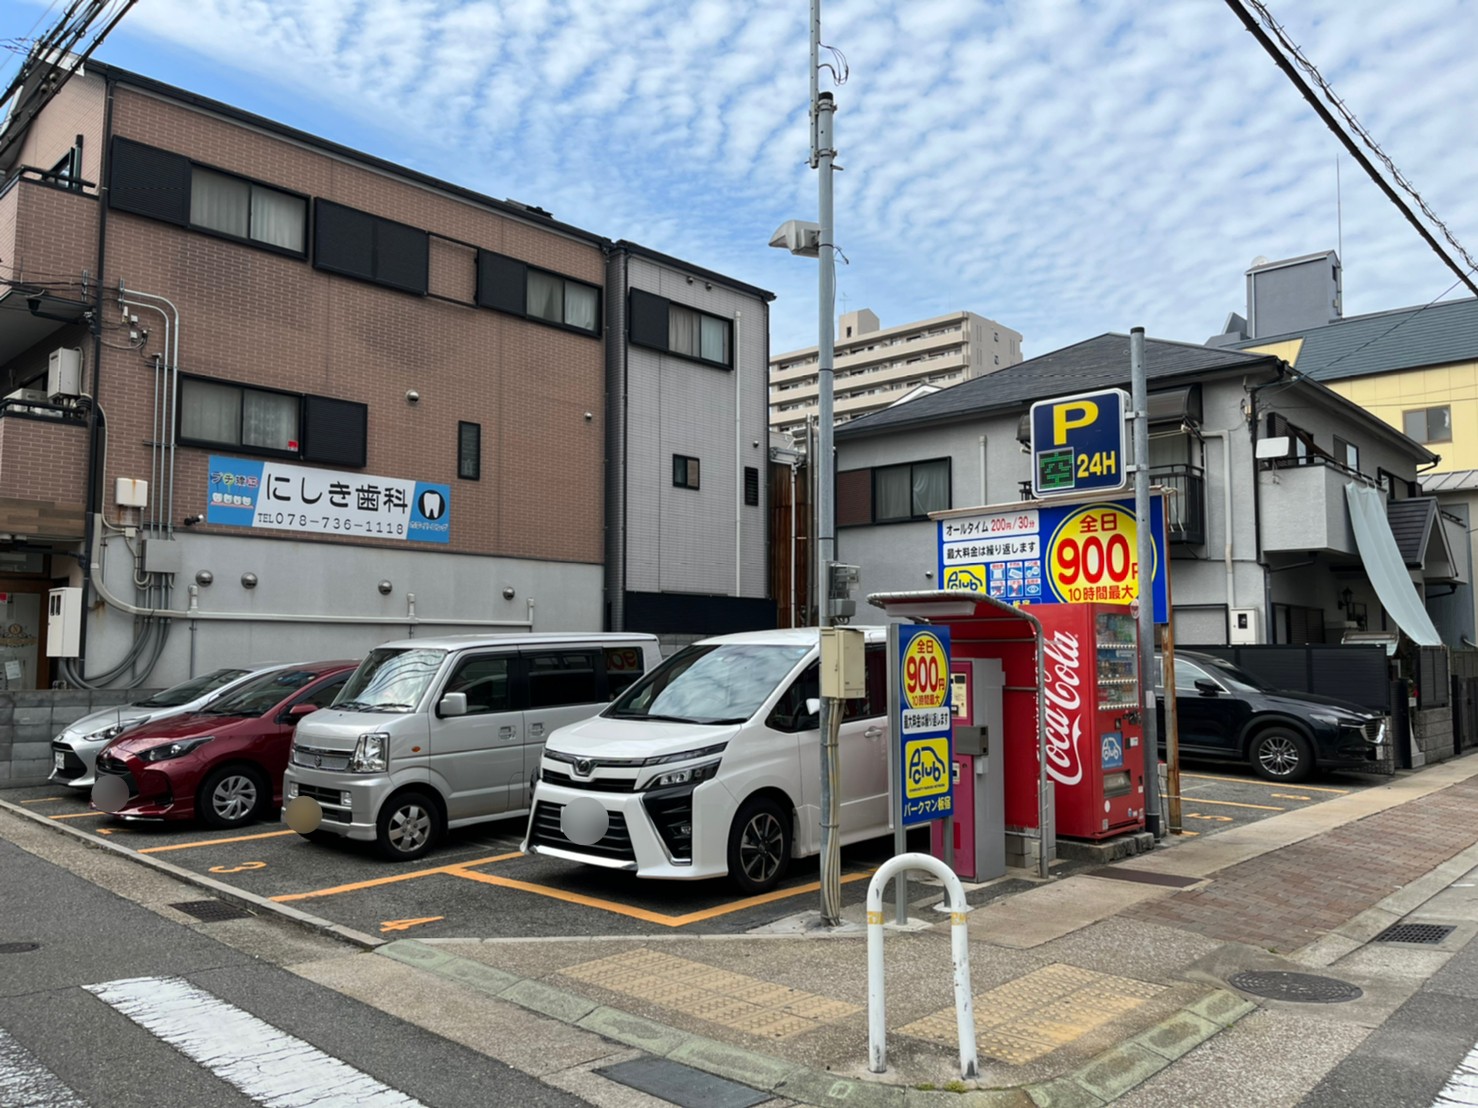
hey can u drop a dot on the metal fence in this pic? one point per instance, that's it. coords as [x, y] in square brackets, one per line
[1357, 672]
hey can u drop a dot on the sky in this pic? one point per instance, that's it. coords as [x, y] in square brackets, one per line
[1064, 167]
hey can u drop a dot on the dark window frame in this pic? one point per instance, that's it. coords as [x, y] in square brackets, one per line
[751, 487]
[1426, 414]
[665, 345]
[256, 244]
[463, 473]
[692, 471]
[484, 299]
[215, 444]
[872, 494]
[377, 274]
[1343, 448]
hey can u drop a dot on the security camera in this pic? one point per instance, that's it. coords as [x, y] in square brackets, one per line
[412, 396]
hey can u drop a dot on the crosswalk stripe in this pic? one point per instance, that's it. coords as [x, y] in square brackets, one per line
[24, 1080]
[270, 1066]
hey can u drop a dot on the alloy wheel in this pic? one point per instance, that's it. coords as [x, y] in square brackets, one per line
[761, 848]
[1279, 755]
[235, 797]
[409, 828]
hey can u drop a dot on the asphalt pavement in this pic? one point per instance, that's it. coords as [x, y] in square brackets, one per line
[1242, 966]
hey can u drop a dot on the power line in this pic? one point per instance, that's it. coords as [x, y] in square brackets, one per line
[1283, 63]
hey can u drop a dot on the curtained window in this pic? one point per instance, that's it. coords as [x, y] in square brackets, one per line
[245, 210]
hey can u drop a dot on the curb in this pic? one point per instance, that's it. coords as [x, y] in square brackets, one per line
[1104, 1079]
[219, 889]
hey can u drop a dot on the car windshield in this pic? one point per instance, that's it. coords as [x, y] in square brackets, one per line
[724, 683]
[260, 695]
[192, 689]
[1229, 674]
[390, 680]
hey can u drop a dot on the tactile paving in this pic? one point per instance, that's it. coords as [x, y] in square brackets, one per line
[734, 1000]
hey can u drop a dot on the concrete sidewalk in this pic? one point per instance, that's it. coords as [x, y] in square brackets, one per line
[1111, 985]
[1086, 989]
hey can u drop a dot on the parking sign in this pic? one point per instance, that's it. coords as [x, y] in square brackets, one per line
[924, 724]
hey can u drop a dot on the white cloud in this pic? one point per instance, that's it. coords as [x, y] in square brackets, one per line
[1066, 167]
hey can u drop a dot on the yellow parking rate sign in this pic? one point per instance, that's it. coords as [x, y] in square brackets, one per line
[925, 725]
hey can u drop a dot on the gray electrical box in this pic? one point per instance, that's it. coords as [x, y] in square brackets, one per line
[161, 556]
[843, 666]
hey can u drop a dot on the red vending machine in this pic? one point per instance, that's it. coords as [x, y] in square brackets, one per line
[1095, 744]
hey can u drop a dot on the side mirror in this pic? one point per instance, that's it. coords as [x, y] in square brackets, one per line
[1207, 688]
[453, 704]
[810, 716]
[298, 711]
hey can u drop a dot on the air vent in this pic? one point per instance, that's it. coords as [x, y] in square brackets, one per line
[211, 911]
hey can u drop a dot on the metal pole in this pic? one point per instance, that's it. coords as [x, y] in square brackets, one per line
[895, 779]
[821, 157]
[1172, 720]
[1139, 401]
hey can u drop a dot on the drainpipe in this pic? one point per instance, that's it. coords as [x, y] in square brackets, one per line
[738, 469]
[617, 260]
[984, 495]
[1267, 579]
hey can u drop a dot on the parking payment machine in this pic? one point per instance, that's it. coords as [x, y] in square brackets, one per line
[977, 686]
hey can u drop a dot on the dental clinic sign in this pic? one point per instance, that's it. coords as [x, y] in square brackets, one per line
[271, 496]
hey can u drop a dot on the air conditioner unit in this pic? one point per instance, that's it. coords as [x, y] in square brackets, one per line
[1242, 627]
[64, 372]
[28, 396]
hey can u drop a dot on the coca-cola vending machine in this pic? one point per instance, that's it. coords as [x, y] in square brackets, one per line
[1094, 740]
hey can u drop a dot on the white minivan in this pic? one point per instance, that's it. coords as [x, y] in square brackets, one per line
[710, 765]
[435, 733]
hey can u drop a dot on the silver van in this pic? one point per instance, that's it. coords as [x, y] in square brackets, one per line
[430, 734]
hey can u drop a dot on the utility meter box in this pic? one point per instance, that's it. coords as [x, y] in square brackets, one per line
[64, 372]
[1243, 630]
[64, 623]
[843, 665]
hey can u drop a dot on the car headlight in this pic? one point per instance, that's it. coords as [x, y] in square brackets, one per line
[685, 755]
[103, 734]
[688, 775]
[177, 749]
[371, 753]
[1331, 720]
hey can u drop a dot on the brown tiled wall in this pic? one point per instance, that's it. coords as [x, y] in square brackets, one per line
[53, 237]
[43, 460]
[256, 317]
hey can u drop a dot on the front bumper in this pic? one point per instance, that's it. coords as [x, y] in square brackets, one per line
[632, 840]
[151, 793]
[354, 819]
[71, 765]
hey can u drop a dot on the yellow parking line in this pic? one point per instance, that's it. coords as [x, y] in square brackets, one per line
[1268, 784]
[375, 882]
[215, 842]
[78, 815]
[44, 800]
[642, 913]
[1235, 804]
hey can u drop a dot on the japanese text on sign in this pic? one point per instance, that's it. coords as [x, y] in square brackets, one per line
[925, 726]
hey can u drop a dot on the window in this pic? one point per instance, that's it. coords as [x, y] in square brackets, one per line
[266, 421]
[684, 471]
[751, 486]
[369, 248]
[509, 285]
[890, 494]
[469, 451]
[875, 702]
[170, 187]
[67, 173]
[1428, 424]
[561, 677]
[245, 210]
[659, 324]
[483, 678]
[1346, 454]
[623, 667]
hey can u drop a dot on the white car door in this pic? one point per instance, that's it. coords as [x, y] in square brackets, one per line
[862, 749]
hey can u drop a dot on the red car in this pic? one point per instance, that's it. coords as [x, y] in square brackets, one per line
[223, 764]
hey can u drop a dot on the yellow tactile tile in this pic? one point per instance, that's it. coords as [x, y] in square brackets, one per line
[1033, 1015]
[757, 1007]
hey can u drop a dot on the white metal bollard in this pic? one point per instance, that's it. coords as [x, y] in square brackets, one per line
[959, 937]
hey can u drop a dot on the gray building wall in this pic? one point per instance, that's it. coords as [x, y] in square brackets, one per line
[705, 540]
[1294, 295]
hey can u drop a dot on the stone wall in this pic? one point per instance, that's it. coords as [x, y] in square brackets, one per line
[1431, 736]
[29, 721]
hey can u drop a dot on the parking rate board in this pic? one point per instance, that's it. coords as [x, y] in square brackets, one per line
[922, 721]
[1077, 443]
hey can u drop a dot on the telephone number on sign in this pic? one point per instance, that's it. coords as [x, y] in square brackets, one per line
[331, 523]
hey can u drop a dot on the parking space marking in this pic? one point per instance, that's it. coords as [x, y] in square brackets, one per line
[79, 815]
[407, 924]
[214, 842]
[44, 800]
[1237, 804]
[1266, 784]
[643, 913]
[377, 881]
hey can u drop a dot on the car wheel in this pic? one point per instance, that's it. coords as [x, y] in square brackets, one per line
[1279, 754]
[408, 827]
[233, 796]
[759, 845]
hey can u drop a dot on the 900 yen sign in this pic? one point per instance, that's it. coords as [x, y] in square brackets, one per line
[1092, 555]
[925, 672]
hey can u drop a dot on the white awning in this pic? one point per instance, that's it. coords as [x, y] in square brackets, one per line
[1384, 565]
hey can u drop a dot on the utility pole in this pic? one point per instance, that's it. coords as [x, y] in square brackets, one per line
[822, 155]
[1139, 401]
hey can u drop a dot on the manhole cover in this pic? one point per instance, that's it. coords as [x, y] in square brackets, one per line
[18, 948]
[1302, 988]
[1428, 933]
[211, 911]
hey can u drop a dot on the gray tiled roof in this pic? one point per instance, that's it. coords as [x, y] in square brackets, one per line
[1403, 338]
[1411, 523]
[1097, 363]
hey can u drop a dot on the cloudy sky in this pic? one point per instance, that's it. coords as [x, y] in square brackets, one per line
[1065, 167]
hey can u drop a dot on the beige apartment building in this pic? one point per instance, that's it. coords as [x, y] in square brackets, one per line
[877, 366]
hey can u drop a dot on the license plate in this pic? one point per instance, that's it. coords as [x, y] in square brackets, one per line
[58, 759]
